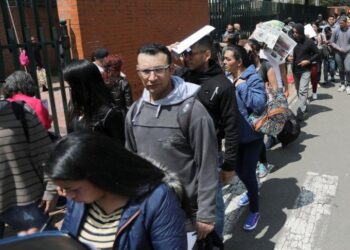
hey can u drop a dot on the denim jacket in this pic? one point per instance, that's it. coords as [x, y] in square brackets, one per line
[251, 98]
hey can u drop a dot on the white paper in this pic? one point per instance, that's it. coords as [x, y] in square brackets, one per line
[192, 39]
[267, 33]
[283, 47]
[191, 240]
[279, 44]
[309, 31]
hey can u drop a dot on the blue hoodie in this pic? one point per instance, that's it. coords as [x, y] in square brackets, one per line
[251, 98]
[152, 129]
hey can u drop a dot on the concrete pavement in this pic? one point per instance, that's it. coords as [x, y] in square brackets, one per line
[304, 200]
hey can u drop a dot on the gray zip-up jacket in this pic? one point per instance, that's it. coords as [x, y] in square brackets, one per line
[152, 129]
[340, 40]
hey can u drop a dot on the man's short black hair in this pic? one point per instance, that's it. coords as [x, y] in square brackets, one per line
[100, 53]
[153, 49]
[205, 43]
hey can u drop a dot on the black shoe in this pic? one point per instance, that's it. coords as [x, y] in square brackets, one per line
[300, 115]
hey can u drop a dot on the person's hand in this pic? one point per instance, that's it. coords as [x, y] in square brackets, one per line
[286, 93]
[48, 205]
[172, 46]
[226, 176]
[203, 229]
[61, 191]
[304, 63]
[32, 230]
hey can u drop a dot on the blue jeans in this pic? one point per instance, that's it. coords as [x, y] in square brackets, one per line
[23, 217]
[246, 170]
[343, 63]
[220, 213]
[220, 205]
[328, 67]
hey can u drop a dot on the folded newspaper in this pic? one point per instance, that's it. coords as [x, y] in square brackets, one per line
[278, 44]
[192, 39]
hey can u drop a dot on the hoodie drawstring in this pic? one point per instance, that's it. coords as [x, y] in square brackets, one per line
[158, 111]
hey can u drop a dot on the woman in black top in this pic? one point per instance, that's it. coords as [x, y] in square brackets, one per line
[91, 105]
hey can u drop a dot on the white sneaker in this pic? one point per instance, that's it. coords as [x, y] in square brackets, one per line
[314, 96]
[342, 88]
[348, 90]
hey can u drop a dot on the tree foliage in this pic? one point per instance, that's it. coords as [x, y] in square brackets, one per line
[335, 2]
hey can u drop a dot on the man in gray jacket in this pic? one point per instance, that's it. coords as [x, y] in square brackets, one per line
[170, 126]
[340, 41]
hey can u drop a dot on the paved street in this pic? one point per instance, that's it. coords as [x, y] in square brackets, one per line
[304, 201]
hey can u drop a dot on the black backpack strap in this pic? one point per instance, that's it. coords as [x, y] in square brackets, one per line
[18, 110]
[184, 115]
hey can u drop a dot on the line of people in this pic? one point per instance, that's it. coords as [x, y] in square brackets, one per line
[168, 179]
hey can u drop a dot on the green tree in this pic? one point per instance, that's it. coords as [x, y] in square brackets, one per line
[334, 2]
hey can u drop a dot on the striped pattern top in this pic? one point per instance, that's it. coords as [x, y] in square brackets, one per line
[99, 228]
[21, 172]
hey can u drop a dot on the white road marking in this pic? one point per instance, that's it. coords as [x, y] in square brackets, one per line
[308, 216]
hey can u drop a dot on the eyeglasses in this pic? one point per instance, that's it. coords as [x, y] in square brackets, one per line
[191, 53]
[160, 70]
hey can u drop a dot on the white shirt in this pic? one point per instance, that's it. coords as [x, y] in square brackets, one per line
[99, 68]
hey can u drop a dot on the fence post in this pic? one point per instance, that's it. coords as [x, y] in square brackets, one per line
[65, 42]
[49, 80]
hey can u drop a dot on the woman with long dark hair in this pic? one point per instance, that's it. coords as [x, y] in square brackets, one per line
[116, 199]
[251, 98]
[91, 105]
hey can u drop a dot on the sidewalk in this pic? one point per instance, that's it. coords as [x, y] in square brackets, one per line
[59, 105]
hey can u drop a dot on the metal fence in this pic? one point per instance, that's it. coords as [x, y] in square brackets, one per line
[249, 13]
[18, 32]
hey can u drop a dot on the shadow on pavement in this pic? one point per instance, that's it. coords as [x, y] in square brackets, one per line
[323, 96]
[314, 109]
[291, 153]
[282, 194]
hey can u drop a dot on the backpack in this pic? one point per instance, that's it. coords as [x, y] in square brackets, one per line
[272, 120]
[19, 109]
[104, 125]
[290, 131]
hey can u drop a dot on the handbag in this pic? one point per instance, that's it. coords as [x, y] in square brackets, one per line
[273, 118]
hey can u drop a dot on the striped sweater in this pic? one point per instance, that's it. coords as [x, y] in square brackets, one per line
[21, 171]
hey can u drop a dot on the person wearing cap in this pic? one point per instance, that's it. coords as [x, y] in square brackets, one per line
[217, 94]
[98, 56]
[304, 54]
[340, 42]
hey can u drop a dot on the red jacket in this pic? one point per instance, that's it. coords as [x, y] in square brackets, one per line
[36, 104]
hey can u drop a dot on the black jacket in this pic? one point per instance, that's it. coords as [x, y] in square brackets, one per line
[217, 94]
[304, 50]
[121, 93]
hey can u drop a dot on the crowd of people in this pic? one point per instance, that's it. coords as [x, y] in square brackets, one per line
[141, 174]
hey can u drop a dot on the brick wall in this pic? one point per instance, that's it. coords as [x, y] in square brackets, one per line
[122, 26]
